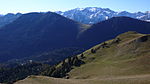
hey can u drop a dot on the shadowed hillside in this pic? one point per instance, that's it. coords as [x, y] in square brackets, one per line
[35, 33]
[110, 28]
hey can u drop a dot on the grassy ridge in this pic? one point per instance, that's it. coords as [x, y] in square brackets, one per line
[128, 57]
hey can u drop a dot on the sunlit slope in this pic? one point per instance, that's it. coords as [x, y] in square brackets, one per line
[127, 54]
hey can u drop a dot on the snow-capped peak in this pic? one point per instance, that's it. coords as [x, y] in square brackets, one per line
[90, 15]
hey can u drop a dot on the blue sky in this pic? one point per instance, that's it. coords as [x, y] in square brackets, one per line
[25, 6]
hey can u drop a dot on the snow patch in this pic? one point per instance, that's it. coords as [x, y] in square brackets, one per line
[80, 9]
[107, 12]
[92, 9]
[91, 16]
[148, 20]
[140, 17]
[62, 13]
[106, 17]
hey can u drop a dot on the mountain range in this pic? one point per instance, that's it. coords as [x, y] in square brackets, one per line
[88, 15]
[92, 15]
[35, 33]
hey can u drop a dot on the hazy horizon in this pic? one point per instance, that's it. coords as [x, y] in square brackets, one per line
[26, 6]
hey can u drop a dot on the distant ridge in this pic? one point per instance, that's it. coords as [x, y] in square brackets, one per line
[88, 15]
[8, 18]
[92, 15]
